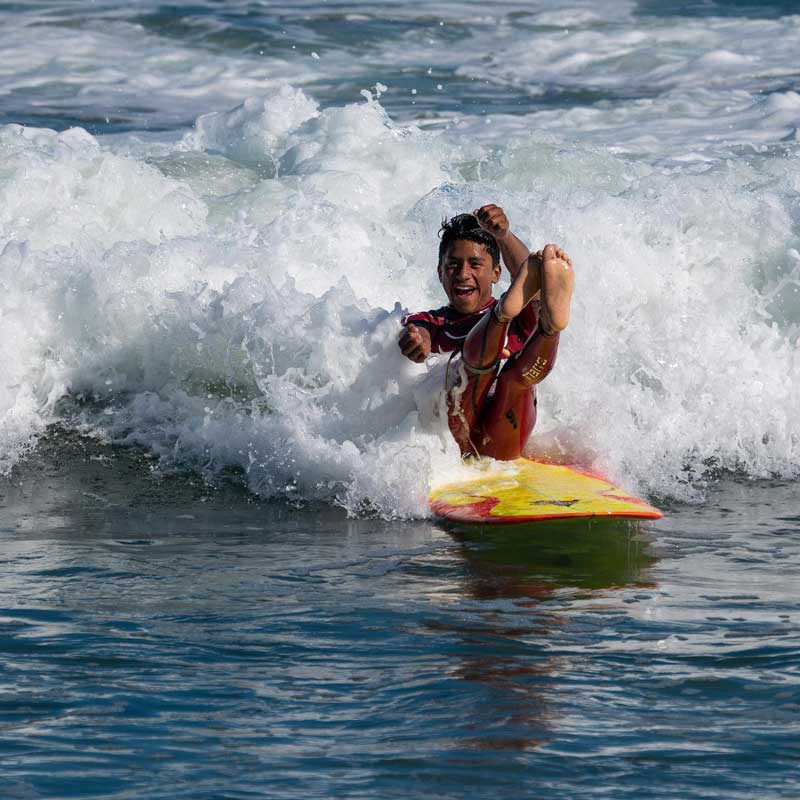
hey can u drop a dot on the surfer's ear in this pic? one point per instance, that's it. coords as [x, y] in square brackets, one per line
[496, 272]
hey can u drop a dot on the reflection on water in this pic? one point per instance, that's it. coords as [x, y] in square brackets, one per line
[508, 650]
[537, 560]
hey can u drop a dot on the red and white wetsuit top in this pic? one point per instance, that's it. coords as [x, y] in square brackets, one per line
[449, 328]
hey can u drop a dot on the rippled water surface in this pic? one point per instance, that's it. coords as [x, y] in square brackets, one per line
[218, 576]
[161, 639]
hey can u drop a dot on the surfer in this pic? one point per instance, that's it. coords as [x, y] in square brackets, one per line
[503, 347]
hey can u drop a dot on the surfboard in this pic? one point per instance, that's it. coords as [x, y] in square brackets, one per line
[529, 491]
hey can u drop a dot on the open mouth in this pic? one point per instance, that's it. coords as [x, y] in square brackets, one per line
[463, 291]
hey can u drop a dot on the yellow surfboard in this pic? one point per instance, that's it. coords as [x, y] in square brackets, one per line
[528, 491]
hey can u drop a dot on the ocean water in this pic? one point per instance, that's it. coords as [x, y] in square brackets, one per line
[218, 575]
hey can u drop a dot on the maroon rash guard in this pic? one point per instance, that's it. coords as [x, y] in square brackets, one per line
[484, 422]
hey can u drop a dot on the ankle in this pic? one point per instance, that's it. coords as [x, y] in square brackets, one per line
[498, 312]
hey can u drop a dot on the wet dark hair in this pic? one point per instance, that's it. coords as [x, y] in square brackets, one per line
[465, 226]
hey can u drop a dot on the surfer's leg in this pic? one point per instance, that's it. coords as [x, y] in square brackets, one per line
[510, 414]
[476, 370]
[501, 429]
[509, 417]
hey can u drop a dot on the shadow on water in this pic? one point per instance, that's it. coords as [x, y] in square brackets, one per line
[520, 582]
[542, 558]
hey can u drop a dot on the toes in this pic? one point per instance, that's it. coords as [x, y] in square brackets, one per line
[553, 252]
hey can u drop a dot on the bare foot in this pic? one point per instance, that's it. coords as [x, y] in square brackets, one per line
[557, 279]
[524, 287]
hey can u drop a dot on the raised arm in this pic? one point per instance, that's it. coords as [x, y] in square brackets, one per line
[493, 219]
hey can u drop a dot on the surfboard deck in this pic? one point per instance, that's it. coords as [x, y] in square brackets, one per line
[529, 491]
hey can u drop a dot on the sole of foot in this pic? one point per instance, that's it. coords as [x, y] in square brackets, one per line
[523, 288]
[557, 280]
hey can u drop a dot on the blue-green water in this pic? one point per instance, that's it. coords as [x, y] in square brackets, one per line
[166, 640]
[218, 579]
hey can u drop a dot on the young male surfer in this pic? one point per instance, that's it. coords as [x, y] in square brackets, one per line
[491, 403]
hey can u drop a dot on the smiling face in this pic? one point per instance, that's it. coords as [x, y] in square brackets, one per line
[468, 273]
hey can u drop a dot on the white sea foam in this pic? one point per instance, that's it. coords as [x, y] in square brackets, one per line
[231, 339]
[105, 66]
[658, 73]
[247, 331]
[225, 297]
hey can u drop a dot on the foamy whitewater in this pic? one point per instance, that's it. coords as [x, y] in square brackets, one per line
[207, 241]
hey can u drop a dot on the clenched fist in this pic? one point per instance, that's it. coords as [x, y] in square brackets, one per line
[415, 342]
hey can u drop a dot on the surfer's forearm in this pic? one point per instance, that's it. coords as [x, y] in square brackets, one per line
[514, 251]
